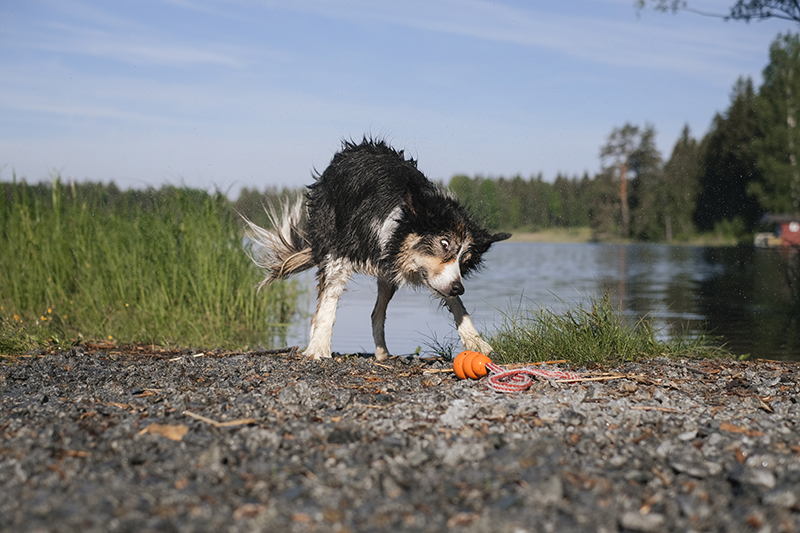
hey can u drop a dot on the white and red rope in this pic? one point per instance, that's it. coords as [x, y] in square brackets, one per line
[519, 379]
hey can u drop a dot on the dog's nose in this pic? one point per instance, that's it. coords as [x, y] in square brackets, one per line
[456, 289]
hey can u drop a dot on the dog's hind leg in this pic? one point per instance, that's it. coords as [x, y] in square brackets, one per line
[331, 279]
[470, 337]
[386, 290]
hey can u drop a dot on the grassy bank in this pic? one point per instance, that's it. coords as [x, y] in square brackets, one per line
[554, 235]
[585, 234]
[91, 262]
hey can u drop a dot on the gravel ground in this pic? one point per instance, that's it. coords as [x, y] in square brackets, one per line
[136, 440]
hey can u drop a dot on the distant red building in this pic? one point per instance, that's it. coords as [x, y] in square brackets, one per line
[787, 228]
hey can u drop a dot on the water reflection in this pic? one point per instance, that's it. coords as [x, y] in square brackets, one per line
[750, 302]
[740, 294]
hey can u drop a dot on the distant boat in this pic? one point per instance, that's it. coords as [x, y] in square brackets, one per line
[785, 233]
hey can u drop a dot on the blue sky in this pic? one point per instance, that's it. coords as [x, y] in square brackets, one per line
[246, 93]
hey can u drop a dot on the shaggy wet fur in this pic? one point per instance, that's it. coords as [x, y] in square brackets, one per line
[373, 212]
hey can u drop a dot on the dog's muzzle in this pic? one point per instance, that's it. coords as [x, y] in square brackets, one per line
[456, 288]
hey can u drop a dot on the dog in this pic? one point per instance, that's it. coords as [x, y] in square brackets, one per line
[373, 212]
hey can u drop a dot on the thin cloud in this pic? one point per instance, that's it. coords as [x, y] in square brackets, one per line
[84, 112]
[599, 39]
[133, 49]
[259, 89]
[79, 29]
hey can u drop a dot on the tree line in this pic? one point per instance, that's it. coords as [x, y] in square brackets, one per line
[747, 164]
[744, 166]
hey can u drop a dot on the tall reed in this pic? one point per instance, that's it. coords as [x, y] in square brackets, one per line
[158, 266]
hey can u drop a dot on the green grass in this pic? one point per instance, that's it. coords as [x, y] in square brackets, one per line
[594, 332]
[166, 267]
[553, 235]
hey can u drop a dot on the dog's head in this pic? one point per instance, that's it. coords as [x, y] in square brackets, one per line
[442, 244]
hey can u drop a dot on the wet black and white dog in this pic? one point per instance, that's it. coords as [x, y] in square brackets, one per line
[371, 211]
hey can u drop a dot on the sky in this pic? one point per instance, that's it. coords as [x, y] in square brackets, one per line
[258, 93]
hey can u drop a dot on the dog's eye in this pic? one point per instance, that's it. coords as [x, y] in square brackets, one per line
[445, 245]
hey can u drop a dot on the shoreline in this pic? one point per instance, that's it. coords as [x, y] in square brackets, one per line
[202, 441]
[584, 236]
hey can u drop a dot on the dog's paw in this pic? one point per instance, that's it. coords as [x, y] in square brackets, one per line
[317, 355]
[381, 354]
[477, 344]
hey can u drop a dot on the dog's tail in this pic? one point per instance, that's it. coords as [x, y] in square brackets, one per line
[283, 250]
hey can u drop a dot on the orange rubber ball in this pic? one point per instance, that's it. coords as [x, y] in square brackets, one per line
[469, 364]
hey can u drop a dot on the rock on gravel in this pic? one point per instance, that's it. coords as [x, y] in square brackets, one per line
[135, 440]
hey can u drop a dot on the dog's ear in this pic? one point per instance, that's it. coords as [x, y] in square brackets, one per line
[499, 237]
[482, 244]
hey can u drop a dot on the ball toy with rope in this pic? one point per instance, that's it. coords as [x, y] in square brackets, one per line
[470, 364]
[475, 365]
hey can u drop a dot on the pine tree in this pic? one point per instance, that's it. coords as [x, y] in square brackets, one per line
[605, 205]
[635, 166]
[618, 149]
[778, 147]
[729, 164]
[647, 191]
[681, 175]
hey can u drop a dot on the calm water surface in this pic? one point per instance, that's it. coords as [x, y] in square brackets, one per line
[738, 294]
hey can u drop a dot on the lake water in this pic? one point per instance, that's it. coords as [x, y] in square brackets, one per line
[739, 294]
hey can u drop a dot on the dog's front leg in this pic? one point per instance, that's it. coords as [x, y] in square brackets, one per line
[386, 290]
[331, 281]
[470, 337]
